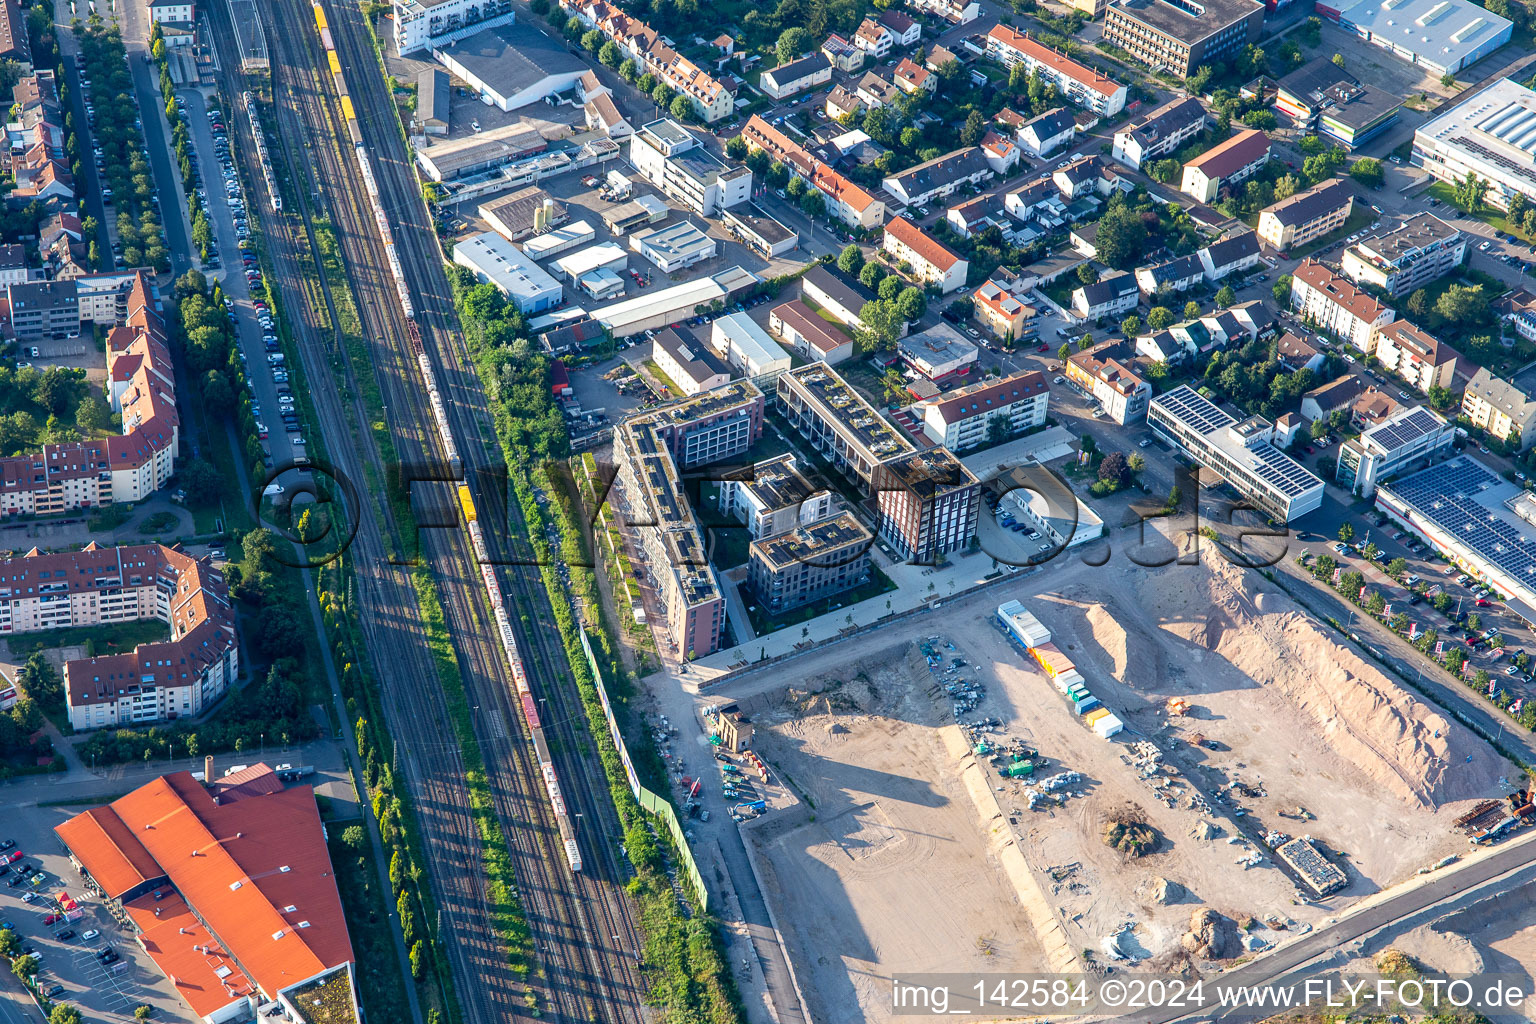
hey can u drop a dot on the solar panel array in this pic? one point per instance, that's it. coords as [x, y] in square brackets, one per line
[1446, 496]
[1281, 471]
[1199, 412]
[1262, 459]
[1397, 433]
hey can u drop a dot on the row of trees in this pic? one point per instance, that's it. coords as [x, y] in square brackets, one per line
[49, 406]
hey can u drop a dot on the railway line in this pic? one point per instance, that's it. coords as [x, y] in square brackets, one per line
[582, 924]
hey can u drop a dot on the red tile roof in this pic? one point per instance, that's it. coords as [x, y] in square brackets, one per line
[925, 245]
[988, 396]
[1080, 73]
[1233, 155]
[1339, 291]
[765, 136]
[822, 336]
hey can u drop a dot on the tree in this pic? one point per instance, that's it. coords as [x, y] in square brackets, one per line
[1130, 326]
[41, 681]
[882, 327]
[418, 960]
[1199, 80]
[1474, 621]
[795, 188]
[143, 1011]
[1191, 310]
[889, 288]
[10, 942]
[1367, 171]
[1088, 444]
[1136, 462]
[1086, 274]
[1448, 80]
[591, 40]
[813, 204]
[1282, 290]
[1226, 296]
[1122, 235]
[736, 148]
[1418, 303]
[911, 304]
[1346, 533]
[1370, 551]
[681, 108]
[893, 386]
[1065, 351]
[1286, 187]
[661, 95]
[1462, 304]
[1338, 59]
[354, 837]
[871, 275]
[974, 128]
[1160, 318]
[1114, 470]
[793, 41]
[851, 260]
[63, 1013]
[1468, 193]
[609, 54]
[1311, 145]
[1397, 567]
[24, 967]
[1262, 119]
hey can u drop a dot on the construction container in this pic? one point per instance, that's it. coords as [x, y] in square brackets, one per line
[1066, 679]
[1077, 692]
[1087, 704]
[1052, 660]
[1026, 629]
[1020, 769]
[1094, 716]
[982, 750]
[1108, 726]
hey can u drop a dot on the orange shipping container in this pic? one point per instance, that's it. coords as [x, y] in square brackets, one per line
[1052, 660]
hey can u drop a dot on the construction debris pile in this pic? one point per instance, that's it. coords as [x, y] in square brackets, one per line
[1490, 820]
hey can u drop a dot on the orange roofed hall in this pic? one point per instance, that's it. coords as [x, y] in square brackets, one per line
[229, 890]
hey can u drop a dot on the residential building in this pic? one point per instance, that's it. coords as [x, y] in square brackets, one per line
[252, 920]
[637, 41]
[671, 157]
[1183, 38]
[845, 56]
[1001, 154]
[688, 362]
[941, 354]
[495, 260]
[41, 309]
[674, 247]
[1225, 165]
[649, 451]
[512, 65]
[749, 350]
[1337, 306]
[765, 235]
[1404, 348]
[874, 38]
[1087, 176]
[1000, 311]
[428, 24]
[1485, 136]
[904, 30]
[15, 43]
[940, 177]
[1447, 35]
[809, 563]
[846, 201]
[842, 101]
[1242, 452]
[524, 213]
[1177, 275]
[971, 216]
[839, 424]
[1160, 133]
[797, 76]
[809, 335]
[1236, 254]
[837, 293]
[1336, 396]
[1306, 216]
[929, 505]
[1406, 257]
[1049, 132]
[875, 92]
[1298, 354]
[1105, 371]
[98, 585]
[13, 264]
[1410, 439]
[931, 261]
[1322, 97]
[773, 497]
[602, 115]
[1093, 8]
[1110, 296]
[1076, 82]
[956, 12]
[987, 412]
[1502, 408]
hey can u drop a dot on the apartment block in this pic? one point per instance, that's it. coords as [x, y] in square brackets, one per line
[846, 201]
[1160, 132]
[1407, 257]
[774, 497]
[931, 261]
[1183, 35]
[1502, 408]
[1306, 215]
[1404, 348]
[810, 563]
[1077, 82]
[673, 159]
[929, 504]
[838, 423]
[1105, 371]
[987, 412]
[1337, 306]
[1225, 165]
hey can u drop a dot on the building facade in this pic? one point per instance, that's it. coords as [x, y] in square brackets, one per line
[1225, 165]
[672, 158]
[1486, 138]
[1306, 215]
[1337, 306]
[1183, 37]
[810, 563]
[1404, 348]
[1105, 371]
[1500, 407]
[426, 24]
[1401, 260]
[1077, 82]
[1160, 133]
[1408, 440]
[838, 423]
[929, 505]
[988, 411]
[932, 261]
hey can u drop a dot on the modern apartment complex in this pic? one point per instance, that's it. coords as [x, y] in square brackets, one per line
[1407, 257]
[988, 411]
[774, 497]
[672, 158]
[838, 423]
[1079, 83]
[809, 563]
[1241, 451]
[1183, 35]
[1337, 306]
[929, 504]
[1407, 440]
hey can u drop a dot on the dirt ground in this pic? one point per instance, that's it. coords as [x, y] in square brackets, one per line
[1286, 731]
[886, 869]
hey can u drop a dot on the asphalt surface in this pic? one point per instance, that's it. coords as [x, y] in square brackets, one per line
[146, 91]
[69, 46]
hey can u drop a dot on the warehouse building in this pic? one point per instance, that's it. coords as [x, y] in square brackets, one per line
[674, 247]
[810, 563]
[1241, 452]
[432, 101]
[453, 159]
[1183, 37]
[524, 213]
[1442, 36]
[494, 259]
[651, 310]
[638, 212]
[1488, 135]
[749, 350]
[941, 353]
[513, 65]
[763, 234]
[563, 239]
[607, 256]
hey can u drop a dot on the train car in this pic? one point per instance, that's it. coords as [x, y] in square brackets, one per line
[467, 503]
[335, 63]
[325, 40]
[320, 21]
[346, 109]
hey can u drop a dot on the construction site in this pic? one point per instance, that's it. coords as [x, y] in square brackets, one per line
[1113, 765]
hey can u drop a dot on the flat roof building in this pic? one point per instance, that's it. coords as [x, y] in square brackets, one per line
[637, 212]
[494, 259]
[1242, 452]
[1409, 439]
[1489, 135]
[941, 353]
[513, 65]
[839, 423]
[749, 350]
[1324, 97]
[1183, 36]
[929, 505]
[578, 264]
[773, 497]
[658, 308]
[1441, 35]
[674, 247]
[810, 563]
[766, 236]
[672, 158]
[1406, 256]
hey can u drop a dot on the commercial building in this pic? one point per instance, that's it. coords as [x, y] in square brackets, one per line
[1235, 254]
[494, 259]
[1404, 348]
[839, 294]
[1337, 306]
[1241, 452]
[512, 65]
[1185, 36]
[1106, 297]
[988, 411]
[657, 308]
[931, 261]
[433, 98]
[524, 213]
[809, 563]
[797, 76]
[155, 682]
[1442, 36]
[1076, 82]
[1487, 135]
[562, 239]
[763, 234]
[578, 264]
[674, 247]
[1307, 215]
[1225, 165]
[229, 888]
[749, 350]
[774, 497]
[1406, 257]
[1323, 97]
[649, 450]
[427, 24]
[1502, 408]
[1104, 370]
[940, 354]
[1477, 519]
[1407, 440]
[809, 335]
[637, 212]
[1160, 133]
[929, 504]
[453, 159]
[940, 177]
[838, 423]
[672, 158]
[846, 201]
[688, 362]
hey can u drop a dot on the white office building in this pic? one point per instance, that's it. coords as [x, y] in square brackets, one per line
[1409, 439]
[672, 158]
[495, 260]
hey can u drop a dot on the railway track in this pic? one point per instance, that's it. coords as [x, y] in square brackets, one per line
[583, 925]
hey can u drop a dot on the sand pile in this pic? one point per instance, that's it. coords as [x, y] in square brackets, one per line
[1399, 741]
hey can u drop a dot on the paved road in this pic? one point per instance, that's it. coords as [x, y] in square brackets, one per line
[146, 91]
[69, 46]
